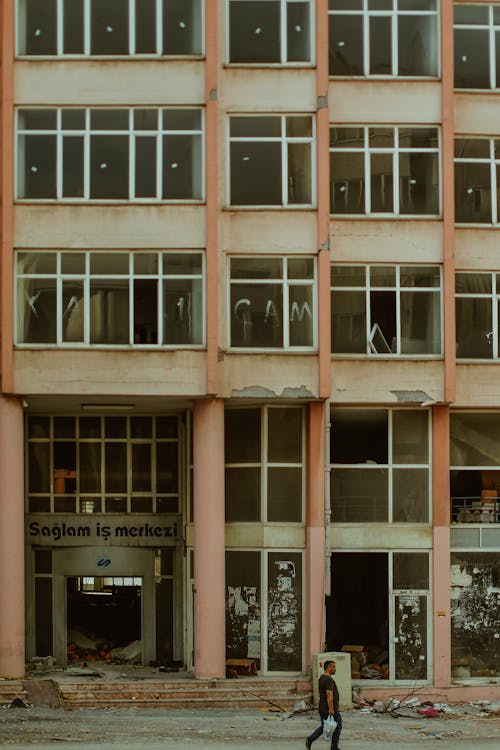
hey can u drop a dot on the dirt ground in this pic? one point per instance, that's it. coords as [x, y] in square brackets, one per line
[114, 729]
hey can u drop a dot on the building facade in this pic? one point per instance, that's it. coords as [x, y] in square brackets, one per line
[250, 326]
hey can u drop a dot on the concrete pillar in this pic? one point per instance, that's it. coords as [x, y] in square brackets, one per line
[12, 659]
[209, 543]
[441, 546]
[315, 531]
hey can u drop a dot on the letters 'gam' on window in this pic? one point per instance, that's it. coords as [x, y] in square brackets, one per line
[272, 303]
[270, 31]
[386, 310]
[377, 170]
[397, 38]
[271, 160]
[110, 154]
[110, 27]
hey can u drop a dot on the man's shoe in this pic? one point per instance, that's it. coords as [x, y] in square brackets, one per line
[308, 743]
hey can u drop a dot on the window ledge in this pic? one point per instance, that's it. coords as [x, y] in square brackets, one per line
[385, 79]
[102, 58]
[387, 357]
[269, 66]
[104, 202]
[280, 209]
[483, 225]
[255, 350]
[493, 92]
[106, 348]
[477, 361]
[387, 217]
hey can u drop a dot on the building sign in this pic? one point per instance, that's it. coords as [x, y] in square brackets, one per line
[137, 531]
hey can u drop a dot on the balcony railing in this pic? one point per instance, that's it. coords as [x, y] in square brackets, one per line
[484, 508]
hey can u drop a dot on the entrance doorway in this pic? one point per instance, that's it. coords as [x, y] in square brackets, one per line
[379, 612]
[103, 618]
[115, 609]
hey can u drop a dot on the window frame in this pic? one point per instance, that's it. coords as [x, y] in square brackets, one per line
[395, 152]
[284, 141]
[283, 37]
[494, 297]
[160, 277]
[264, 464]
[285, 283]
[393, 14]
[399, 290]
[491, 28]
[87, 33]
[102, 496]
[391, 466]
[494, 165]
[133, 135]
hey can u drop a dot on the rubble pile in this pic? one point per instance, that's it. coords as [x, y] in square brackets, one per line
[413, 707]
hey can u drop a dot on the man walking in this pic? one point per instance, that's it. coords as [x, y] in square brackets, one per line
[328, 706]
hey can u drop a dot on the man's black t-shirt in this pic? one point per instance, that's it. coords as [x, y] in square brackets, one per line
[326, 682]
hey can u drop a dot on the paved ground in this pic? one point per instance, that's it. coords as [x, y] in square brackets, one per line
[116, 729]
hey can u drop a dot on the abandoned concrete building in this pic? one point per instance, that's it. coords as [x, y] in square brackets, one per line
[250, 319]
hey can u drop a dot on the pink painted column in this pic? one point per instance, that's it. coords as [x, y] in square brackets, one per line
[441, 546]
[12, 657]
[315, 531]
[209, 542]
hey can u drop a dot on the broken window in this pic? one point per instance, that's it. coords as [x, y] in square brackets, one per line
[476, 182]
[103, 464]
[475, 467]
[386, 310]
[476, 37]
[110, 299]
[475, 614]
[270, 31]
[392, 171]
[380, 466]
[110, 154]
[271, 160]
[110, 27]
[397, 38]
[379, 612]
[264, 465]
[272, 303]
[477, 307]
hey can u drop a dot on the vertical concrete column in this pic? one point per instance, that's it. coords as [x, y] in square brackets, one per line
[441, 545]
[12, 658]
[209, 543]
[448, 199]
[315, 531]
[323, 193]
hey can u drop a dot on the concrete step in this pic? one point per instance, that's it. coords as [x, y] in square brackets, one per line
[11, 689]
[183, 694]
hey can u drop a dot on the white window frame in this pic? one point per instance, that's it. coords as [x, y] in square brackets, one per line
[87, 16]
[399, 290]
[494, 164]
[494, 296]
[283, 37]
[161, 279]
[264, 464]
[285, 283]
[131, 133]
[395, 151]
[393, 14]
[284, 140]
[390, 466]
[101, 497]
[491, 27]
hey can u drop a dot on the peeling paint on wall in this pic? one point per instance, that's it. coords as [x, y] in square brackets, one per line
[284, 612]
[475, 614]
[411, 629]
[243, 622]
